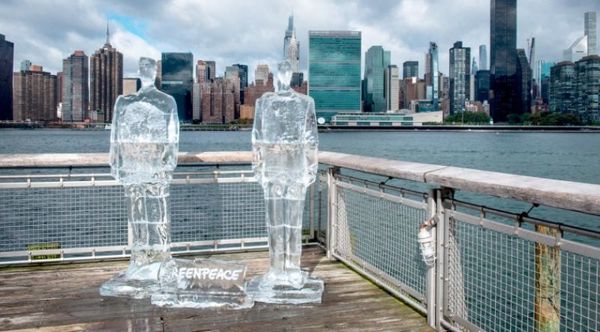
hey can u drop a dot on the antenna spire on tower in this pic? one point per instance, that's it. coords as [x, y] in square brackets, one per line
[107, 34]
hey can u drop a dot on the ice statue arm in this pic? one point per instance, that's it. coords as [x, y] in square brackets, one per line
[114, 136]
[311, 141]
[173, 133]
[257, 158]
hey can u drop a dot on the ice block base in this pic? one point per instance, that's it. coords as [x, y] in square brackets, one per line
[311, 292]
[120, 286]
[200, 300]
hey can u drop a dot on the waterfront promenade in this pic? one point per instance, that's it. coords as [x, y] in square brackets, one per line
[495, 268]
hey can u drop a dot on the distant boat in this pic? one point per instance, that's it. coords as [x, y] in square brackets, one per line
[108, 126]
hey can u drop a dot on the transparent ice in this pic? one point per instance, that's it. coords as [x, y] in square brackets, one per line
[196, 283]
[284, 143]
[143, 155]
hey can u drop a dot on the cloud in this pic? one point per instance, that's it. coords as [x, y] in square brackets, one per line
[251, 32]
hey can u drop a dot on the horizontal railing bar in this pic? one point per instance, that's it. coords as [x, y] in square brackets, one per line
[575, 196]
[383, 186]
[392, 198]
[110, 183]
[564, 244]
[101, 175]
[528, 219]
[47, 160]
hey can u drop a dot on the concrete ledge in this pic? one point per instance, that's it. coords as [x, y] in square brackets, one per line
[397, 169]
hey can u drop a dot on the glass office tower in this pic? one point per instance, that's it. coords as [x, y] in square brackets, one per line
[334, 71]
[178, 81]
[410, 69]
[504, 94]
[376, 62]
[460, 77]
[6, 78]
[434, 88]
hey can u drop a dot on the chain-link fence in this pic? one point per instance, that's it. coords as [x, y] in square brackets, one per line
[374, 231]
[519, 273]
[74, 214]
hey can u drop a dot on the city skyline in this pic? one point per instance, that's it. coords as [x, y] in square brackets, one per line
[405, 28]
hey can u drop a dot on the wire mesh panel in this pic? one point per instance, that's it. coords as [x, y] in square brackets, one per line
[69, 217]
[503, 277]
[490, 278]
[377, 233]
[580, 293]
[85, 216]
[217, 211]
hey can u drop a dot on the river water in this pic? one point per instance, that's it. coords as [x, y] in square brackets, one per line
[564, 156]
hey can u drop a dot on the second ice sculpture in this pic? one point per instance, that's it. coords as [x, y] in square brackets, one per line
[143, 155]
[284, 142]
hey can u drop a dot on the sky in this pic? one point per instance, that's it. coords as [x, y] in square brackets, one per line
[251, 32]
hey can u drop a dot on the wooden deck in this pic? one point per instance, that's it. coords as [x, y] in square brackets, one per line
[65, 298]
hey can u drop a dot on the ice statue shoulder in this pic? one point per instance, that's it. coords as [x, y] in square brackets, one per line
[145, 133]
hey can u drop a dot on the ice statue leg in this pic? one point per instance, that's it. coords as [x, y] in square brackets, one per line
[275, 228]
[293, 241]
[149, 221]
[285, 282]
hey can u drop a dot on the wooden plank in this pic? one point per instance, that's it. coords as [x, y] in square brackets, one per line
[65, 298]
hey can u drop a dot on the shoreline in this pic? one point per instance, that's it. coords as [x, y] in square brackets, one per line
[329, 128]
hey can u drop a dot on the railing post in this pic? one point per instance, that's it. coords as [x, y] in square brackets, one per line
[547, 283]
[331, 210]
[431, 270]
[446, 247]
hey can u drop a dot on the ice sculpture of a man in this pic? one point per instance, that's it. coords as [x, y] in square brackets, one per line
[143, 155]
[284, 142]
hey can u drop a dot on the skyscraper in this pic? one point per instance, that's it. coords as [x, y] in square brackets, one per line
[590, 30]
[291, 46]
[410, 69]
[6, 78]
[483, 60]
[34, 95]
[201, 72]
[243, 74]
[392, 88]
[106, 78]
[376, 62]
[211, 70]
[482, 85]
[75, 87]
[178, 80]
[460, 76]
[525, 74]
[261, 74]
[433, 88]
[562, 88]
[587, 82]
[334, 71]
[504, 96]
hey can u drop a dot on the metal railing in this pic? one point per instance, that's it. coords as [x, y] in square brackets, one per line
[495, 270]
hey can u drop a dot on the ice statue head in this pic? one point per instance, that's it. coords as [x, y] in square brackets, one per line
[147, 71]
[284, 76]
